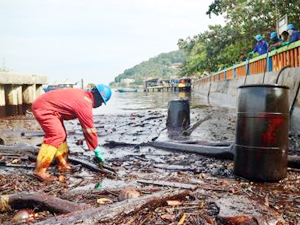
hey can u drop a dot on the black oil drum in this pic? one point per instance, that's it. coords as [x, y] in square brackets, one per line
[178, 116]
[261, 141]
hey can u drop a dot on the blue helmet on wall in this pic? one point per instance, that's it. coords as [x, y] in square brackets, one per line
[273, 35]
[290, 26]
[104, 91]
[258, 37]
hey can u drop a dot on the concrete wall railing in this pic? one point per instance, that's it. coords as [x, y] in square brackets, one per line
[275, 60]
[18, 91]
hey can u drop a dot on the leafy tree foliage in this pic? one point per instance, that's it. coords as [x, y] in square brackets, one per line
[223, 46]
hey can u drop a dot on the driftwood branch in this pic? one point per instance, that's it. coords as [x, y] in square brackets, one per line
[111, 213]
[294, 161]
[188, 131]
[114, 144]
[153, 118]
[169, 184]
[212, 151]
[25, 166]
[18, 149]
[43, 201]
[91, 166]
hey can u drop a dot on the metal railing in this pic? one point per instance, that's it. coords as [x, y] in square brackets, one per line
[275, 60]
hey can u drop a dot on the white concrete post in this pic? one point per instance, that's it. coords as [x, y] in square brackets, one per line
[29, 95]
[14, 97]
[2, 101]
[39, 91]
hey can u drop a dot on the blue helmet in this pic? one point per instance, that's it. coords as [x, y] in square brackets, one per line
[258, 37]
[104, 91]
[290, 27]
[273, 35]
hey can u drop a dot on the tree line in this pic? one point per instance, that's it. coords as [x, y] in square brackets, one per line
[222, 46]
[219, 46]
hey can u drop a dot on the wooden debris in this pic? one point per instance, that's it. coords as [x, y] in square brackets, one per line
[169, 217]
[188, 131]
[25, 166]
[153, 118]
[113, 212]
[242, 210]
[19, 149]
[91, 166]
[40, 200]
[114, 144]
[175, 167]
[294, 161]
[169, 184]
[211, 151]
[103, 201]
[182, 219]
[128, 193]
[174, 203]
[23, 216]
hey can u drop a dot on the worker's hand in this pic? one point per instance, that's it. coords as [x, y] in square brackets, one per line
[98, 154]
[251, 53]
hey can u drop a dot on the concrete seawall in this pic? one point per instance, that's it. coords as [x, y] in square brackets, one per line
[225, 92]
[18, 91]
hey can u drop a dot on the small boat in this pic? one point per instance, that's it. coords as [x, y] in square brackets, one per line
[59, 86]
[184, 84]
[127, 90]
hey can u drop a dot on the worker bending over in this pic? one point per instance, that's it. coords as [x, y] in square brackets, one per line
[55, 106]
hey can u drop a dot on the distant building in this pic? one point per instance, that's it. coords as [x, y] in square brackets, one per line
[127, 82]
[176, 65]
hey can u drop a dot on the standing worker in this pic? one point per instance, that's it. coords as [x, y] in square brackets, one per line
[293, 33]
[55, 106]
[261, 46]
[275, 41]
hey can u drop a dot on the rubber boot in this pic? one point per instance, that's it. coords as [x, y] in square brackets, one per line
[44, 160]
[62, 157]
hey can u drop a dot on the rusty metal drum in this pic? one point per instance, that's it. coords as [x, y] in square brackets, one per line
[261, 140]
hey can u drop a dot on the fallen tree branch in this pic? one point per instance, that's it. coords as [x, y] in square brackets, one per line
[43, 201]
[114, 144]
[207, 143]
[25, 166]
[91, 166]
[294, 161]
[153, 118]
[188, 131]
[30, 134]
[212, 151]
[112, 213]
[169, 184]
[175, 167]
[19, 149]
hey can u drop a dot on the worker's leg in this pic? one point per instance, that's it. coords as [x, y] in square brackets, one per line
[62, 157]
[44, 159]
[55, 135]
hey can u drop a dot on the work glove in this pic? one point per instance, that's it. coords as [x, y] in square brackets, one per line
[251, 53]
[98, 155]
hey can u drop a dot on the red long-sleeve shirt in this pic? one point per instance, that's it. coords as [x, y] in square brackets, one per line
[51, 108]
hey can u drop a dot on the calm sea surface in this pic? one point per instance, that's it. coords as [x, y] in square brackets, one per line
[138, 101]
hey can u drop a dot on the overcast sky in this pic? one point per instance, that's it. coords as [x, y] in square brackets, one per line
[93, 39]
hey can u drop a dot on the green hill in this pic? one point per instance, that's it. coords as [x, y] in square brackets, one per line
[165, 65]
